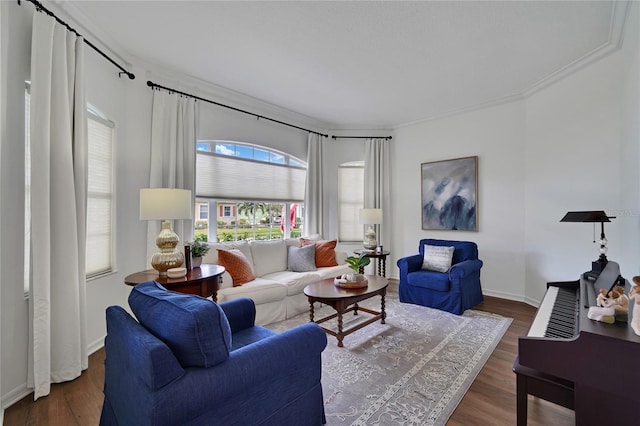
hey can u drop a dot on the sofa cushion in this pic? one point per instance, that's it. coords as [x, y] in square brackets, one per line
[431, 280]
[259, 290]
[437, 258]
[195, 329]
[301, 259]
[295, 282]
[268, 256]
[237, 264]
[325, 251]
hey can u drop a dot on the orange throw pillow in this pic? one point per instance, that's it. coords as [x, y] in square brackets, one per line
[237, 265]
[325, 251]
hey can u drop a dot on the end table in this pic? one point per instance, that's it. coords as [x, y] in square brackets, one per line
[203, 280]
[382, 260]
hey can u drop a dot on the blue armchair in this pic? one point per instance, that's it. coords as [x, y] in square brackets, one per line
[453, 291]
[190, 361]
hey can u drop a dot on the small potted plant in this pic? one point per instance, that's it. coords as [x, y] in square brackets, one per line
[198, 249]
[356, 263]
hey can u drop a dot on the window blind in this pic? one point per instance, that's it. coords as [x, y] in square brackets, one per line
[351, 200]
[99, 196]
[224, 177]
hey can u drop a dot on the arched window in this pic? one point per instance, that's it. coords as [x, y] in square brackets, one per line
[250, 192]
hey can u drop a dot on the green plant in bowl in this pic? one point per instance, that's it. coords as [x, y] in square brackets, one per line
[357, 262]
[199, 248]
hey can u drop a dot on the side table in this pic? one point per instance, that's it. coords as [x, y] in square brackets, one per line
[382, 260]
[203, 281]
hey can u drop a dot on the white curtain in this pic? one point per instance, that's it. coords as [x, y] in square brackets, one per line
[58, 347]
[173, 155]
[376, 184]
[313, 204]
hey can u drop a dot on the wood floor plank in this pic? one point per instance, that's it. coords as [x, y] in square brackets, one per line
[491, 399]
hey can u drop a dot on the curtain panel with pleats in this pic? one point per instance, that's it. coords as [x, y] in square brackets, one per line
[58, 132]
[377, 177]
[173, 153]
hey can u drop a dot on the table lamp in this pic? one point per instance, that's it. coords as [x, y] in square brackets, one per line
[370, 217]
[165, 204]
[593, 216]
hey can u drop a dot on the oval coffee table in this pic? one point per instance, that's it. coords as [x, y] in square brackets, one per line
[341, 300]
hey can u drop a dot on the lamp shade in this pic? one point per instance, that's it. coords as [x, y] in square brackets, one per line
[586, 216]
[165, 204]
[370, 216]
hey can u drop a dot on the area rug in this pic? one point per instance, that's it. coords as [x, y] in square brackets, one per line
[413, 370]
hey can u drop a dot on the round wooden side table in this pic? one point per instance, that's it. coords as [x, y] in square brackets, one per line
[204, 280]
[382, 260]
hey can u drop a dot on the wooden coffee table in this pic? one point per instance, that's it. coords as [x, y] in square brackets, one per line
[341, 300]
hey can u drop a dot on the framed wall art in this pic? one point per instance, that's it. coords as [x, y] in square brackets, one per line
[449, 194]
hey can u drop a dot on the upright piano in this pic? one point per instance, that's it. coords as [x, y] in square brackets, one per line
[588, 366]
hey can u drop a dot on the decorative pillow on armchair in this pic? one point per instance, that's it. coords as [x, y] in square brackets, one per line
[195, 328]
[437, 258]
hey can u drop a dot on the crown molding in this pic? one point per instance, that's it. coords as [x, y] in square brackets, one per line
[620, 10]
[464, 110]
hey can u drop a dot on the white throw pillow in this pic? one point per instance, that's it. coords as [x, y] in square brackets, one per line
[437, 258]
[268, 256]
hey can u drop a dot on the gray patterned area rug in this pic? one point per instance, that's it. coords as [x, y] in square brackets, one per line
[413, 370]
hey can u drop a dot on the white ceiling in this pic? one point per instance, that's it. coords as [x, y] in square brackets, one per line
[360, 64]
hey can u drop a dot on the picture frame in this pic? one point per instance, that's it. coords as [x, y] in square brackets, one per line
[450, 194]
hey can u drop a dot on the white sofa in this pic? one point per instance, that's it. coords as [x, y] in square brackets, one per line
[276, 291]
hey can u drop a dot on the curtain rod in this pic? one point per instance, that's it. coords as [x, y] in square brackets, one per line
[362, 137]
[157, 86]
[41, 8]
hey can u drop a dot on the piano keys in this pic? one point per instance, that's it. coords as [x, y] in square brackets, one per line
[581, 364]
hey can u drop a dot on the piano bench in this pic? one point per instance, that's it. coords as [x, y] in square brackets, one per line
[541, 385]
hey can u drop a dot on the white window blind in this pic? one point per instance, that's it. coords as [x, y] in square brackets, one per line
[350, 200]
[231, 178]
[99, 196]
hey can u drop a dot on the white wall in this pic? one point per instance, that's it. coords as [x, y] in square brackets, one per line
[572, 146]
[496, 136]
[13, 311]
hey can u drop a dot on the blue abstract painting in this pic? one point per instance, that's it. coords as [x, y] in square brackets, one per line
[449, 191]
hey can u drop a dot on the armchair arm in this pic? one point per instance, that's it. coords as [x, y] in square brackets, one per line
[409, 264]
[241, 313]
[464, 268]
[464, 271]
[256, 380]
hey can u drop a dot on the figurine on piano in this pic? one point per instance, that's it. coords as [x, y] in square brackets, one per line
[634, 295]
[615, 299]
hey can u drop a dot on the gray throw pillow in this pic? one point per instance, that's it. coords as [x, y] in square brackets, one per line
[437, 258]
[301, 259]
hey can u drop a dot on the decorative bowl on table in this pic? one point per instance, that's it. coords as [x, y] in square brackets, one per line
[356, 281]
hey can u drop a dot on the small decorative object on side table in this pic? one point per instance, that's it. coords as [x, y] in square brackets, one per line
[374, 254]
[203, 281]
[198, 249]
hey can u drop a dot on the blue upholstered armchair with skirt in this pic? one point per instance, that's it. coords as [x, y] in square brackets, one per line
[453, 289]
[190, 361]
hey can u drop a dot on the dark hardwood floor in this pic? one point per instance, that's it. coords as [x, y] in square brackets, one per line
[490, 400]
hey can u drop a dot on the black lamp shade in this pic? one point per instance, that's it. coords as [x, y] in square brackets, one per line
[587, 216]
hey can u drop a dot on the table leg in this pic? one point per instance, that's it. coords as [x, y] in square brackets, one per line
[382, 306]
[355, 309]
[339, 335]
[310, 311]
